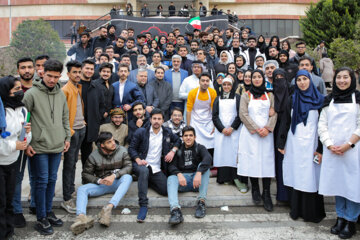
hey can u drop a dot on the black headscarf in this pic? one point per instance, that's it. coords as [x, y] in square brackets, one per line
[281, 90]
[343, 96]
[286, 53]
[6, 84]
[247, 87]
[257, 92]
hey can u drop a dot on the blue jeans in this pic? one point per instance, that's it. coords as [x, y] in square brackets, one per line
[173, 187]
[347, 209]
[120, 186]
[19, 178]
[45, 168]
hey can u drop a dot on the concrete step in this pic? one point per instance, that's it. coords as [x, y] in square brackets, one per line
[218, 195]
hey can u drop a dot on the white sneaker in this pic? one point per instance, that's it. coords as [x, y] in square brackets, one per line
[69, 206]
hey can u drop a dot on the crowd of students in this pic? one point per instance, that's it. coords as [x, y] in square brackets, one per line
[171, 111]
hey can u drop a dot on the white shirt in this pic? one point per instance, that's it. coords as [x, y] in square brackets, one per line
[121, 90]
[188, 84]
[155, 148]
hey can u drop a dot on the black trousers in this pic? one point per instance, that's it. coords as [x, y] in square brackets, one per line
[146, 178]
[255, 183]
[7, 188]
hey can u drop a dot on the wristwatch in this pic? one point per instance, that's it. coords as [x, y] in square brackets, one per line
[351, 144]
[174, 150]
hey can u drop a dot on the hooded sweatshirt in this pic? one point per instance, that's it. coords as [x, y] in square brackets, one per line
[49, 118]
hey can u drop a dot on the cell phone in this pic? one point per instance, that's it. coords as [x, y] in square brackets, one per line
[316, 159]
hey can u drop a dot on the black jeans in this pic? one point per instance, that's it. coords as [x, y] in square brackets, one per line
[69, 165]
[73, 37]
[7, 188]
[255, 183]
[157, 181]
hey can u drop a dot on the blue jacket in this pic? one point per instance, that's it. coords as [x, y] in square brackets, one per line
[139, 145]
[168, 75]
[133, 74]
[131, 94]
[81, 53]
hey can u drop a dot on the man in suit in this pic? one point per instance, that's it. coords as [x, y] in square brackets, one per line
[125, 92]
[175, 77]
[147, 90]
[151, 149]
[141, 63]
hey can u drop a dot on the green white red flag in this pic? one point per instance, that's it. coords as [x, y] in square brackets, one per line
[195, 23]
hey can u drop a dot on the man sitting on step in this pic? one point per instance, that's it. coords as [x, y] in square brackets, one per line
[190, 170]
[106, 171]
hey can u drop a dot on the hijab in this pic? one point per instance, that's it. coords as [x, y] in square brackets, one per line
[6, 84]
[343, 96]
[304, 101]
[257, 92]
[228, 57]
[281, 90]
[247, 87]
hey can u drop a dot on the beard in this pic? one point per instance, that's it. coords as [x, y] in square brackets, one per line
[27, 77]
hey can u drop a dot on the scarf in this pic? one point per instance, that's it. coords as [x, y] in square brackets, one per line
[343, 96]
[6, 84]
[304, 101]
[281, 90]
[257, 92]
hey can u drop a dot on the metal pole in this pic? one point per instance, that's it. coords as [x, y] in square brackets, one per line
[10, 20]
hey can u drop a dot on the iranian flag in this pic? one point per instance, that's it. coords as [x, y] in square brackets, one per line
[195, 23]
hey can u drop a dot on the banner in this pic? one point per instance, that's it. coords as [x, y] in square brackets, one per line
[161, 26]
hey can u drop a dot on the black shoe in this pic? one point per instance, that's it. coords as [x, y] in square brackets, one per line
[19, 220]
[268, 205]
[43, 227]
[348, 231]
[176, 217]
[339, 225]
[32, 210]
[200, 210]
[53, 220]
[256, 196]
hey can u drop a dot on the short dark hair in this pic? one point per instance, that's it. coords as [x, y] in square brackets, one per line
[303, 58]
[156, 111]
[130, 29]
[230, 29]
[122, 65]
[105, 55]
[84, 33]
[122, 38]
[42, 57]
[138, 102]
[170, 44]
[105, 65]
[103, 137]
[159, 68]
[180, 36]
[131, 39]
[271, 47]
[87, 61]
[183, 46]
[53, 65]
[125, 55]
[205, 74]
[194, 41]
[102, 28]
[109, 47]
[24, 59]
[176, 109]
[188, 129]
[299, 43]
[71, 64]
[157, 52]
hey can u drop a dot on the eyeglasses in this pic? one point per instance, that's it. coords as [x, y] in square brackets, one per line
[301, 47]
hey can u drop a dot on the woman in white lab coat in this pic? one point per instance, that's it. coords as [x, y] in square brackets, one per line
[225, 115]
[339, 131]
[299, 146]
[256, 143]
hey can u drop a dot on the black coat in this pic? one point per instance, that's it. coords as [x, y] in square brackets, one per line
[107, 95]
[95, 111]
[132, 126]
[139, 145]
[215, 112]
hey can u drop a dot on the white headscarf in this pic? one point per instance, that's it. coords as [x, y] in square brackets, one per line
[228, 57]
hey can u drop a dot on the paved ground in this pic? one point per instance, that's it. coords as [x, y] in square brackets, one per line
[238, 223]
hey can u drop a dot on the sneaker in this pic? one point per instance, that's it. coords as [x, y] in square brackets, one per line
[242, 187]
[74, 195]
[53, 220]
[19, 220]
[32, 210]
[200, 210]
[82, 223]
[142, 214]
[69, 206]
[176, 216]
[44, 227]
[105, 216]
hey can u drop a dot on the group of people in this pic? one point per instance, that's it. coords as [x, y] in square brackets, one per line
[172, 111]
